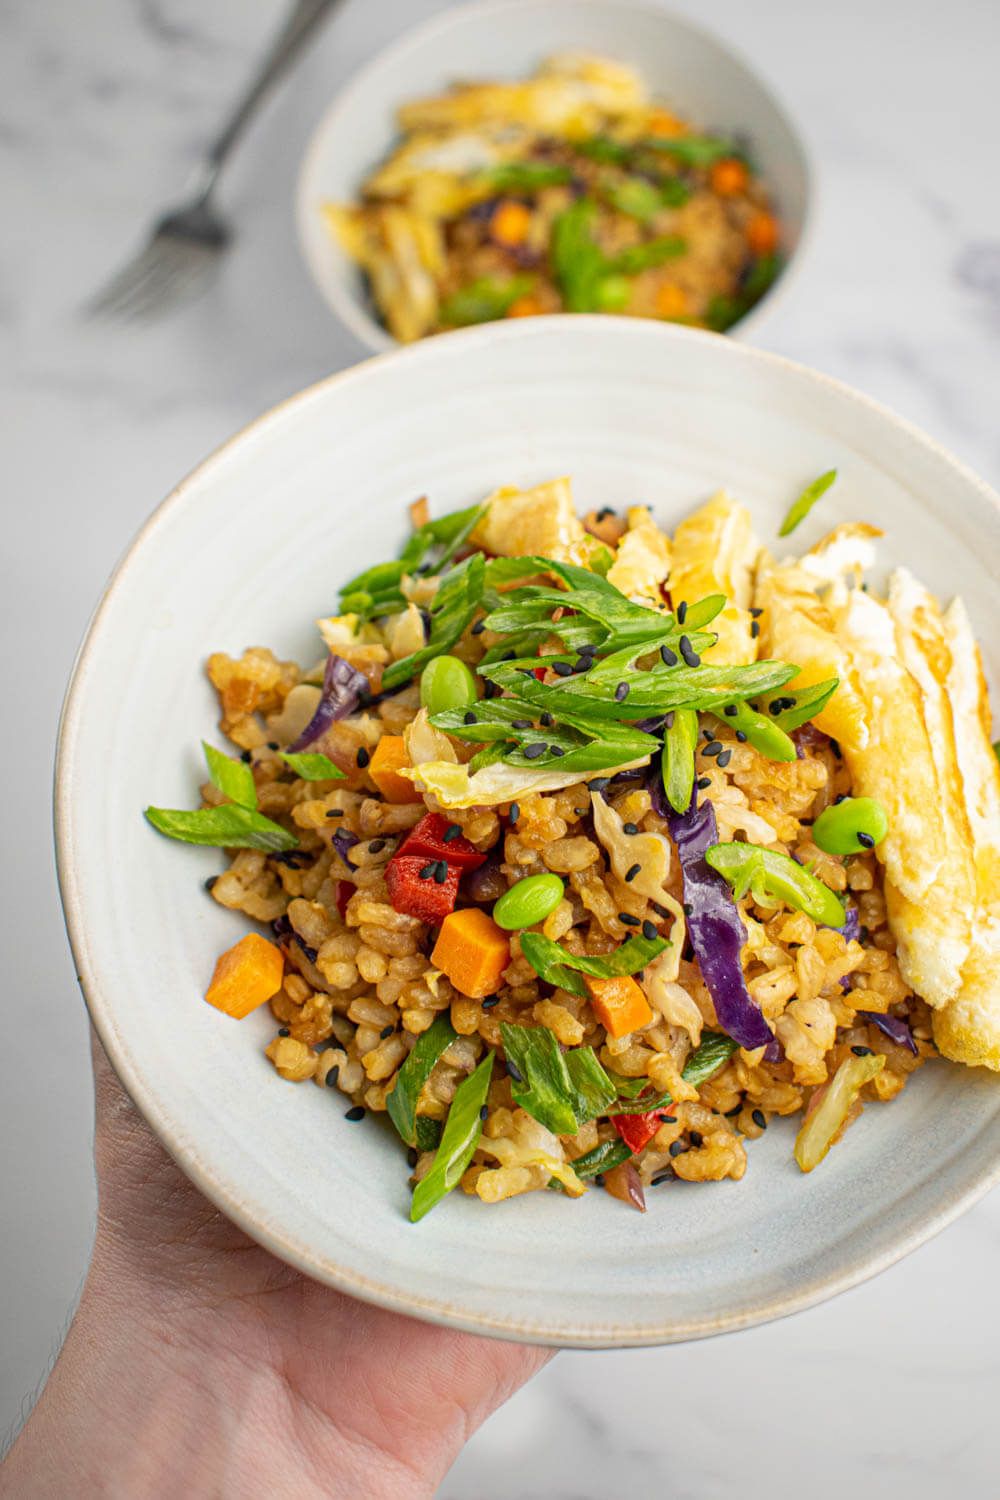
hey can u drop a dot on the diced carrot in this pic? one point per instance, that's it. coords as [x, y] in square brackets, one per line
[619, 1004]
[510, 222]
[473, 951]
[525, 307]
[729, 177]
[387, 758]
[245, 976]
[420, 513]
[762, 233]
[662, 122]
[671, 300]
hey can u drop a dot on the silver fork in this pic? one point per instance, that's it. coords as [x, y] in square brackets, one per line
[186, 242]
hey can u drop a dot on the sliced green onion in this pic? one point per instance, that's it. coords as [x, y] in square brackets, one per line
[531, 900]
[600, 1158]
[679, 741]
[771, 878]
[562, 1091]
[226, 827]
[851, 826]
[828, 1118]
[233, 778]
[484, 301]
[801, 507]
[402, 1099]
[805, 703]
[457, 599]
[524, 176]
[653, 253]
[715, 1049]
[459, 1140]
[310, 765]
[761, 731]
[557, 966]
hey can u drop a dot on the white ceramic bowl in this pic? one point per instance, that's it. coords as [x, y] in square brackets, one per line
[251, 549]
[688, 67]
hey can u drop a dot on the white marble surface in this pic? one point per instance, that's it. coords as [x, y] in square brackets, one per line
[102, 107]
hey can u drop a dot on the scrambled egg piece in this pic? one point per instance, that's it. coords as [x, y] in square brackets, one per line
[541, 521]
[642, 561]
[912, 718]
[715, 552]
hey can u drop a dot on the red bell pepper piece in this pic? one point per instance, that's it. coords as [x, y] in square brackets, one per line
[424, 897]
[428, 840]
[638, 1130]
[345, 890]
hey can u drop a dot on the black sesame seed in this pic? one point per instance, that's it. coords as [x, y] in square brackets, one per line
[649, 930]
[272, 744]
[583, 664]
[630, 828]
[668, 1175]
[730, 710]
[696, 1137]
[587, 650]
[866, 841]
[376, 846]
[732, 1113]
[759, 1119]
[492, 690]
[863, 934]
[599, 1180]
[335, 812]
[632, 871]
[599, 783]
[363, 757]
[688, 954]
[724, 758]
[440, 872]
[333, 1077]
[621, 692]
[509, 656]
[520, 723]
[688, 652]
[515, 812]
[210, 882]
[562, 668]
[453, 831]
[756, 613]
[386, 1031]
[627, 919]
[840, 797]
[283, 1031]
[703, 783]
[687, 908]
[661, 911]
[533, 751]
[546, 721]
[835, 747]
[741, 736]
[714, 747]
[669, 658]
[427, 871]
[557, 751]
[862, 1051]
[604, 513]
[356, 1112]
[469, 717]
[754, 629]
[515, 1071]
[681, 612]
[484, 1110]
[478, 628]
[490, 1001]
[246, 757]
[676, 1148]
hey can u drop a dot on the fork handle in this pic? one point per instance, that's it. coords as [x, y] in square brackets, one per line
[300, 24]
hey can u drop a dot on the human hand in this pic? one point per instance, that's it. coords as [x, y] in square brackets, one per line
[199, 1365]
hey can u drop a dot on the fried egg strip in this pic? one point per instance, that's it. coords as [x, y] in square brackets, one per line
[715, 552]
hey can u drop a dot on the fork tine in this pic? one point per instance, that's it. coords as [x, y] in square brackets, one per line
[119, 291]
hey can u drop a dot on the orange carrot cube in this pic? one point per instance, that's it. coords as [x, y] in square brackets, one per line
[246, 975]
[473, 951]
[619, 1004]
[388, 757]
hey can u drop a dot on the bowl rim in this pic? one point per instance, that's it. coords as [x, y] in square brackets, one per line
[349, 308]
[284, 1245]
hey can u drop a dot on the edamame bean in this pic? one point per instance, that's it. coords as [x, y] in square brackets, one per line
[528, 902]
[850, 826]
[447, 683]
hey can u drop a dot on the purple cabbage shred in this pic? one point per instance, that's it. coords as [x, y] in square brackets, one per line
[344, 691]
[715, 929]
[893, 1027]
[343, 841]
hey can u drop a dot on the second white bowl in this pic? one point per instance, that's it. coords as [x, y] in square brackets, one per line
[689, 68]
